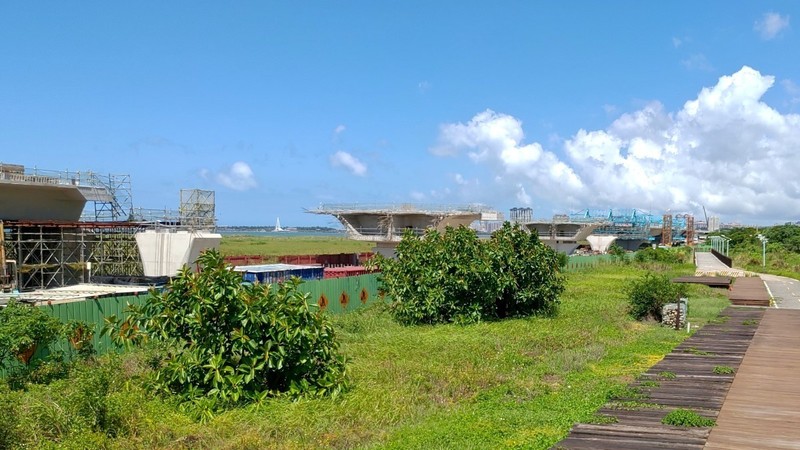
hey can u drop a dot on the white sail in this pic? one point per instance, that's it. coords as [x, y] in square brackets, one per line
[278, 224]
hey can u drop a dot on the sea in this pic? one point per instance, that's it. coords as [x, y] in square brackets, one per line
[283, 234]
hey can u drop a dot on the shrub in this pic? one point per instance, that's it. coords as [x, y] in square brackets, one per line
[648, 294]
[228, 342]
[23, 329]
[456, 277]
[663, 255]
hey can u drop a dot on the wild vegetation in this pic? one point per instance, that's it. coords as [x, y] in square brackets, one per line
[782, 249]
[519, 382]
[453, 276]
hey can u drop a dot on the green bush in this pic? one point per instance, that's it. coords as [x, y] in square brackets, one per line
[676, 255]
[23, 329]
[456, 277]
[228, 342]
[648, 294]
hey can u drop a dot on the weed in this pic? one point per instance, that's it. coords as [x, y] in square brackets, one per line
[629, 392]
[650, 383]
[695, 351]
[667, 375]
[724, 370]
[633, 405]
[750, 322]
[687, 418]
[602, 419]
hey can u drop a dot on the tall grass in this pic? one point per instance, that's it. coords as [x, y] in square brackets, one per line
[509, 384]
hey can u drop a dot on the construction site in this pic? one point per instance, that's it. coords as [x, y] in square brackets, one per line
[63, 228]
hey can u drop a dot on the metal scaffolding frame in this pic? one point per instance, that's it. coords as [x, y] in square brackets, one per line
[197, 209]
[666, 230]
[118, 205]
[50, 255]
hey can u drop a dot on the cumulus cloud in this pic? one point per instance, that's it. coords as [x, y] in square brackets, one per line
[725, 149]
[770, 25]
[349, 162]
[239, 177]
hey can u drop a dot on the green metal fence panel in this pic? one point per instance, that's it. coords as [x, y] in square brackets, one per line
[94, 311]
[340, 295]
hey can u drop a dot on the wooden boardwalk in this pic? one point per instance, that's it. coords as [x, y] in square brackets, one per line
[762, 409]
[686, 378]
[749, 291]
[708, 281]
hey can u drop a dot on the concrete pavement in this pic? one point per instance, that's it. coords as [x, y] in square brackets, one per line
[785, 291]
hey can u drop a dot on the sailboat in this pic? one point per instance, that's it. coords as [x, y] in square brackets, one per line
[278, 228]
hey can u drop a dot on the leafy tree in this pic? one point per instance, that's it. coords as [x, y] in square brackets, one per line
[456, 277]
[229, 342]
[528, 272]
[23, 329]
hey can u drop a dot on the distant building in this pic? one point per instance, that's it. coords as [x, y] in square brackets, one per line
[522, 215]
[713, 223]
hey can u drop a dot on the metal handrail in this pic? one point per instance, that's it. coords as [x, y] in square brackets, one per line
[328, 208]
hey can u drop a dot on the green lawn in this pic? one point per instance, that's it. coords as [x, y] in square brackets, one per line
[286, 245]
[511, 384]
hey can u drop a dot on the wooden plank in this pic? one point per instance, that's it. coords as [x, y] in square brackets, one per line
[762, 409]
[694, 386]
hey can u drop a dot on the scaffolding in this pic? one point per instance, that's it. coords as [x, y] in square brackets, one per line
[117, 205]
[666, 230]
[626, 224]
[197, 209]
[50, 255]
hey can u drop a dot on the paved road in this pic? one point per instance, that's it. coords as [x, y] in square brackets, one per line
[707, 263]
[786, 291]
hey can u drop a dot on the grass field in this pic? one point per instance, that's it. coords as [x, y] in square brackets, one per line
[299, 245]
[510, 384]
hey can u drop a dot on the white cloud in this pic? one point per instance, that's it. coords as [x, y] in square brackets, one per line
[424, 86]
[724, 149]
[339, 129]
[239, 177]
[349, 162]
[522, 195]
[770, 25]
[676, 42]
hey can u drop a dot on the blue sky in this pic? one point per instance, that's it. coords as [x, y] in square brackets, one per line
[280, 106]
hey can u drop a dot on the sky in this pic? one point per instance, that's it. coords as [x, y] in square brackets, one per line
[280, 107]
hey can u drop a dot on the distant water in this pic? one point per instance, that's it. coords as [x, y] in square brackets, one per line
[283, 234]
